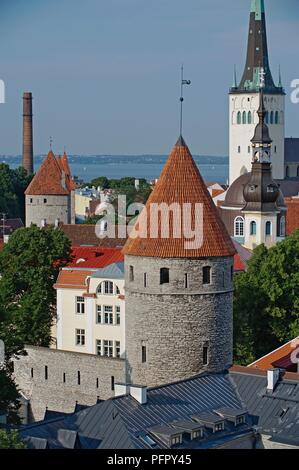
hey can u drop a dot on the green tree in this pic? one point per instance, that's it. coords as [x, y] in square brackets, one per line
[101, 181]
[29, 266]
[10, 440]
[13, 184]
[266, 302]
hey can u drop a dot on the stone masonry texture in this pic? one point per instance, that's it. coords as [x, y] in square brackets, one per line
[175, 323]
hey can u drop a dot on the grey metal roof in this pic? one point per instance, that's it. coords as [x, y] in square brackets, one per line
[275, 414]
[291, 149]
[113, 271]
[123, 423]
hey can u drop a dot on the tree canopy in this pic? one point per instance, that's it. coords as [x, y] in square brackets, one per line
[13, 184]
[10, 440]
[266, 303]
[29, 266]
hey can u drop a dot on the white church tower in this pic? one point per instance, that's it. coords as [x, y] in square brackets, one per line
[244, 102]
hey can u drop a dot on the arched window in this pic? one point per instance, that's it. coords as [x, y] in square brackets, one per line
[249, 117]
[253, 228]
[244, 120]
[106, 287]
[272, 117]
[239, 117]
[206, 275]
[164, 276]
[268, 229]
[282, 226]
[287, 172]
[239, 227]
[276, 118]
[267, 118]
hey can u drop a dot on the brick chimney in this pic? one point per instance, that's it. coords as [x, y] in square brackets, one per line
[27, 133]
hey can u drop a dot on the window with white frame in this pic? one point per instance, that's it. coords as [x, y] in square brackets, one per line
[99, 347]
[108, 348]
[80, 337]
[108, 315]
[106, 288]
[176, 440]
[117, 315]
[80, 305]
[99, 314]
[117, 348]
[239, 227]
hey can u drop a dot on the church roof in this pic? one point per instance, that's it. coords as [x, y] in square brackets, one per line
[180, 183]
[257, 54]
[50, 179]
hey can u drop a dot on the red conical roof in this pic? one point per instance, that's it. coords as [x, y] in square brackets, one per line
[181, 183]
[48, 179]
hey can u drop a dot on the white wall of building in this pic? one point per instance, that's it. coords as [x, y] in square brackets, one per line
[240, 135]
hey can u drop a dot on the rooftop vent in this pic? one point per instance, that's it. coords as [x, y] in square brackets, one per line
[273, 376]
[121, 389]
[139, 392]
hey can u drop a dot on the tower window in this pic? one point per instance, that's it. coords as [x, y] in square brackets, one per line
[297, 170]
[32, 373]
[64, 378]
[275, 149]
[287, 172]
[253, 228]
[164, 276]
[239, 117]
[232, 273]
[145, 280]
[205, 355]
[268, 228]
[206, 275]
[272, 117]
[143, 354]
[112, 382]
[45, 201]
[131, 273]
[97, 383]
[239, 149]
[239, 227]
[46, 372]
[186, 281]
[276, 117]
[79, 377]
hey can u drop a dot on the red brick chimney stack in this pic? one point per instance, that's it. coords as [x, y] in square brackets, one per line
[27, 133]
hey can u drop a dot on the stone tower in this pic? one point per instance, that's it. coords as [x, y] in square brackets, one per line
[27, 133]
[179, 296]
[50, 195]
[264, 221]
[244, 102]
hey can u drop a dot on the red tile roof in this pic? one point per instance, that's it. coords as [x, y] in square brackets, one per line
[82, 234]
[95, 257]
[51, 178]
[280, 358]
[181, 183]
[292, 204]
[72, 279]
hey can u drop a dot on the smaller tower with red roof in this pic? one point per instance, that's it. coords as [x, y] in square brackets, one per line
[50, 195]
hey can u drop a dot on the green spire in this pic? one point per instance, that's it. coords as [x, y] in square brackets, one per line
[258, 7]
[280, 80]
[235, 83]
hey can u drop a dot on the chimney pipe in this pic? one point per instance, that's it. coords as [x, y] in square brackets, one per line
[273, 376]
[27, 133]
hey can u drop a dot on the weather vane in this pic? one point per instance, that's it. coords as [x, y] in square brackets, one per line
[183, 82]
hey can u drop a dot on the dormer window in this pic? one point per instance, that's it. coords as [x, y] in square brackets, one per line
[219, 427]
[240, 420]
[176, 440]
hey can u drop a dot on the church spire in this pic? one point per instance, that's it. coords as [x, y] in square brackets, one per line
[257, 51]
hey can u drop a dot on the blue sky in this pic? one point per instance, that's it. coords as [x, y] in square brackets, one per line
[105, 73]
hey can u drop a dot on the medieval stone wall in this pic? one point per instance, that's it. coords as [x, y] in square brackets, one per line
[58, 379]
[49, 208]
[172, 324]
